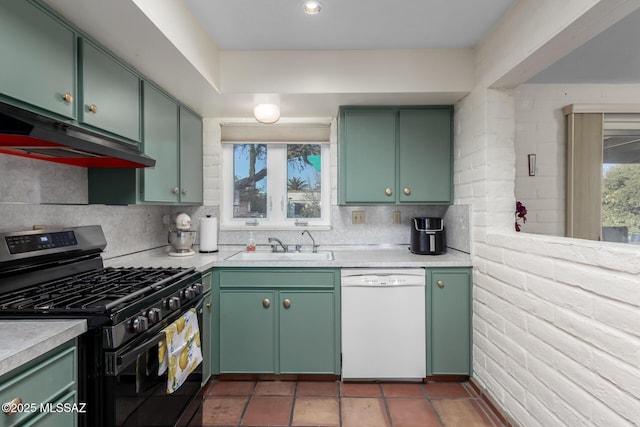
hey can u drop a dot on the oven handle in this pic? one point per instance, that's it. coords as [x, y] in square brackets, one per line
[123, 360]
[132, 355]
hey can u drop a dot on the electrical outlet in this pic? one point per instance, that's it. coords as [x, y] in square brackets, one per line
[396, 218]
[357, 217]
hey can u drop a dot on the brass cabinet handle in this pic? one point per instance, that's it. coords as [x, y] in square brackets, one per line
[406, 191]
[93, 108]
[175, 190]
[208, 305]
[68, 98]
[266, 303]
[11, 408]
[388, 191]
[286, 303]
[440, 283]
[184, 192]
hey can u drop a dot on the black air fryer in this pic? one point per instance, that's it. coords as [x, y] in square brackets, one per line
[427, 236]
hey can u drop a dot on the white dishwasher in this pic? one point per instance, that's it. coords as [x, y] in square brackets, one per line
[383, 324]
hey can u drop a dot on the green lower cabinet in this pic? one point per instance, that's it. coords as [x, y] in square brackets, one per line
[207, 324]
[205, 337]
[307, 341]
[277, 321]
[247, 331]
[58, 416]
[42, 385]
[448, 307]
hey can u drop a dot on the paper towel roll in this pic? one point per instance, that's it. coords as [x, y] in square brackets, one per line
[208, 234]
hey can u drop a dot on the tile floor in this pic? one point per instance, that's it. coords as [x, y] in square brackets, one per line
[336, 404]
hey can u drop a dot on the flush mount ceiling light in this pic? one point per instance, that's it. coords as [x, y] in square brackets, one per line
[266, 113]
[312, 7]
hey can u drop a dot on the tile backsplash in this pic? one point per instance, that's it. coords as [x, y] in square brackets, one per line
[34, 192]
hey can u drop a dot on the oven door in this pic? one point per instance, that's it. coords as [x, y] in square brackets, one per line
[136, 396]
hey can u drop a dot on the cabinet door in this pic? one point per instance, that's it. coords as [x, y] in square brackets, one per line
[448, 321]
[38, 58]
[307, 337]
[425, 161]
[367, 156]
[205, 337]
[190, 157]
[160, 183]
[247, 331]
[110, 94]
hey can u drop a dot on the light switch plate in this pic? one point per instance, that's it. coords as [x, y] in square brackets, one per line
[357, 217]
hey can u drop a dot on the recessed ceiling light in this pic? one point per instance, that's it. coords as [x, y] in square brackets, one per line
[312, 7]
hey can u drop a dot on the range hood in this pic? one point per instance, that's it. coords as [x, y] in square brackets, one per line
[27, 134]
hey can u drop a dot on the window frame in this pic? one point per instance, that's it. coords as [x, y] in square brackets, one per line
[276, 215]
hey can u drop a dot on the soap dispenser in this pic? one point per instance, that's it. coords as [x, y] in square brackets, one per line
[251, 243]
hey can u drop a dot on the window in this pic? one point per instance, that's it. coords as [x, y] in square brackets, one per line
[276, 185]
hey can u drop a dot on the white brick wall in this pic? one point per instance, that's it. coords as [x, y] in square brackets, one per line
[556, 342]
[556, 321]
[540, 130]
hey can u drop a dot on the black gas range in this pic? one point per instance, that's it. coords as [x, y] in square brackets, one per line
[48, 274]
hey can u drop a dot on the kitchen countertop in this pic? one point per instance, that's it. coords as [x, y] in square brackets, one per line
[371, 256]
[24, 340]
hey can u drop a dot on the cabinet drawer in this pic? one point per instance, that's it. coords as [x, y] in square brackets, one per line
[58, 416]
[40, 382]
[282, 278]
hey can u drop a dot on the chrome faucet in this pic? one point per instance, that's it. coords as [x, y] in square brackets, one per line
[274, 247]
[315, 247]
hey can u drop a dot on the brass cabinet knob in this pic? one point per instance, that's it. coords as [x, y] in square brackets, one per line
[208, 305]
[388, 191]
[68, 98]
[93, 108]
[440, 283]
[286, 303]
[175, 190]
[184, 192]
[11, 408]
[266, 303]
[406, 191]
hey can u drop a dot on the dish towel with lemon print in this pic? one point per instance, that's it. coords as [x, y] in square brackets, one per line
[180, 350]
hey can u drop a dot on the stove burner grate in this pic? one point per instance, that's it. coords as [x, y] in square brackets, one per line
[95, 291]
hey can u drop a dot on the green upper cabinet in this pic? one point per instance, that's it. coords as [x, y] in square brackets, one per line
[161, 143]
[173, 137]
[110, 93]
[191, 166]
[395, 155]
[38, 59]
[425, 156]
[367, 155]
[448, 321]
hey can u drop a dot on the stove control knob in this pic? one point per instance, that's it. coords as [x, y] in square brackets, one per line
[139, 324]
[187, 294]
[173, 303]
[197, 288]
[154, 315]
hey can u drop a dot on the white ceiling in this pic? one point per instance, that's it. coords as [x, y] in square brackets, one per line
[347, 24]
[610, 57]
[270, 25]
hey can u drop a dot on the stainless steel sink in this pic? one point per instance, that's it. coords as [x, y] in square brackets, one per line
[282, 256]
